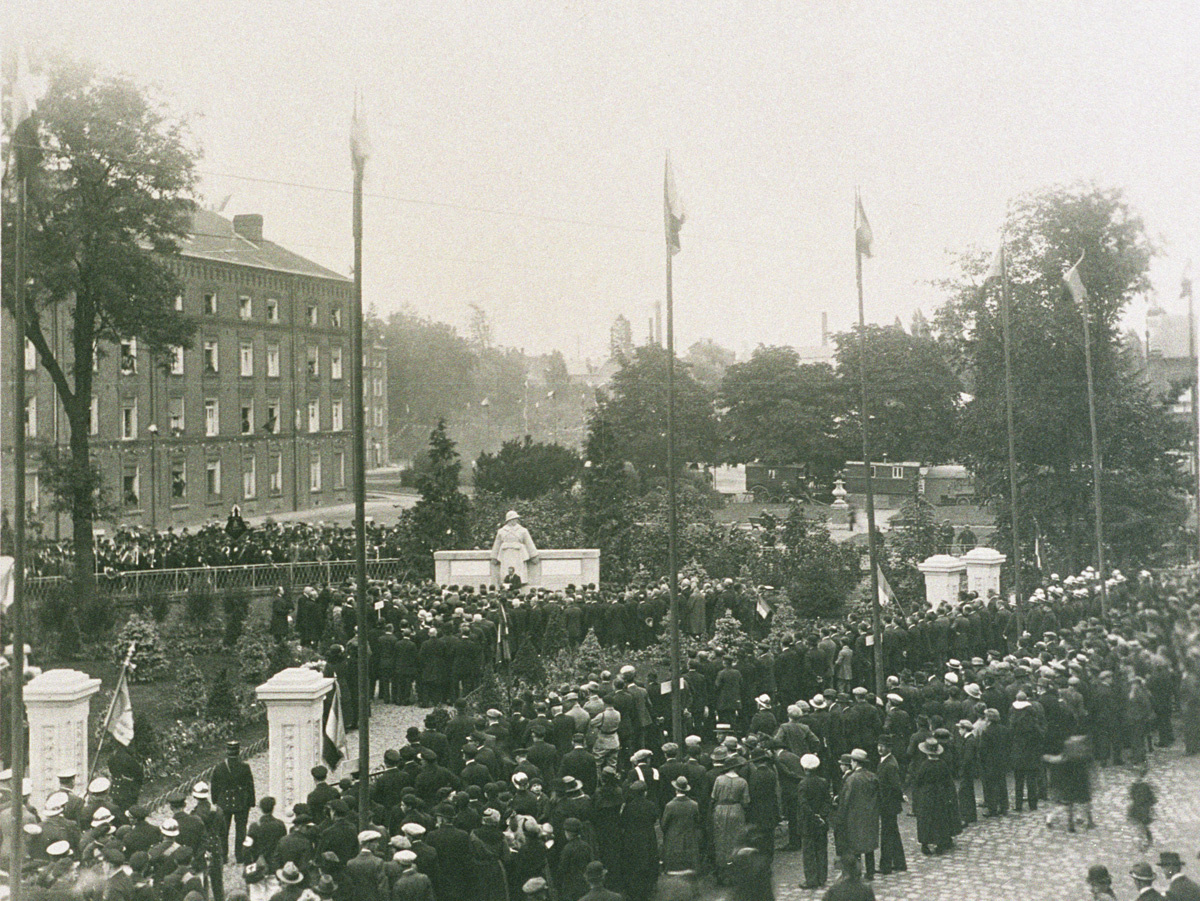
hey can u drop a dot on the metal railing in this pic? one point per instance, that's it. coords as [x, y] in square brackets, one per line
[252, 577]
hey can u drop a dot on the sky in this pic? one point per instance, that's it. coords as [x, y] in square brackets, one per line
[518, 147]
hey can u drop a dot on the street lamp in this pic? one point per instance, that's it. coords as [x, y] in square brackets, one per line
[153, 430]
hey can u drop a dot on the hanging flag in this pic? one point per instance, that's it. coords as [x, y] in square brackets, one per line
[673, 211]
[503, 647]
[333, 744]
[27, 91]
[1185, 282]
[6, 582]
[120, 715]
[997, 268]
[886, 595]
[1075, 283]
[360, 146]
[863, 236]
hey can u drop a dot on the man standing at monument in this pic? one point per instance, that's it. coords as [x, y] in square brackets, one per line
[233, 793]
[513, 548]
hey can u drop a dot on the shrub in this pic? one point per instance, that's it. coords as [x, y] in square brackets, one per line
[223, 705]
[253, 651]
[191, 690]
[236, 607]
[95, 615]
[198, 603]
[149, 656]
[56, 617]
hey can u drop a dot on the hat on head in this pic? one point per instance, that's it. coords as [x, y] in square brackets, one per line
[594, 870]
[1098, 874]
[818, 702]
[290, 874]
[952, 678]
[1142, 871]
[55, 804]
[233, 746]
[319, 772]
[201, 791]
[520, 779]
[859, 691]
[406, 856]
[99, 785]
[859, 755]
[681, 785]
[973, 691]
[1170, 859]
[511, 515]
[413, 830]
[643, 754]
[810, 761]
[763, 701]
[368, 835]
[534, 885]
[58, 849]
[169, 827]
[895, 698]
[930, 747]
[67, 775]
[102, 816]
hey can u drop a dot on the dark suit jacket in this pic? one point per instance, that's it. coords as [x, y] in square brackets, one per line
[891, 787]
[1182, 889]
[233, 785]
[849, 891]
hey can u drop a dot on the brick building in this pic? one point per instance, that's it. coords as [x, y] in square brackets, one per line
[257, 412]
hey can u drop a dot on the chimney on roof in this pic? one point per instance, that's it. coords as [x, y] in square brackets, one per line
[249, 226]
[824, 329]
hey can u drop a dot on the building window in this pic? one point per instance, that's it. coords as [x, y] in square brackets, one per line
[272, 361]
[245, 307]
[272, 423]
[314, 416]
[212, 472]
[33, 493]
[379, 417]
[897, 472]
[175, 414]
[178, 480]
[210, 304]
[31, 417]
[277, 473]
[314, 473]
[339, 469]
[246, 358]
[129, 421]
[212, 417]
[312, 316]
[211, 357]
[30, 356]
[94, 417]
[299, 422]
[247, 417]
[129, 487]
[272, 310]
[314, 361]
[249, 478]
[176, 361]
[129, 356]
[378, 386]
[335, 417]
[335, 317]
[335, 362]
[178, 303]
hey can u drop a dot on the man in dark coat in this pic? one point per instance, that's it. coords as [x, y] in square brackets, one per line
[891, 803]
[815, 808]
[454, 875]
[857, 817]
[363, 878]
[233, 792]
[266, 831]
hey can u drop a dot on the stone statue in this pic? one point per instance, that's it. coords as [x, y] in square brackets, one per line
[514, 548]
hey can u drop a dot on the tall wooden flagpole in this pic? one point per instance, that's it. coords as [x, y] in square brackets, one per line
[358, 156]
[1185, 290]
[862, 247]
[1080, 294]
[1006, 325]
[673, 215]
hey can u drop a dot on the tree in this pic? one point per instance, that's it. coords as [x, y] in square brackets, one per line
[778, 411]
[607, 496]
[917, 535]
[709, 361]
[1046, 232]
[912, 392]
[525, 469]
[636, 412]
[108, 206]
[440, 517]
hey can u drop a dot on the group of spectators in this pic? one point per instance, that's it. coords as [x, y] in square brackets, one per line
[577, 793]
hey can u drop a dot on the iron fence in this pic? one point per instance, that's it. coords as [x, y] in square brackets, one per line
[253, 577]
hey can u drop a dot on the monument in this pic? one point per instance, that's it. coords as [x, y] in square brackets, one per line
[515, 560]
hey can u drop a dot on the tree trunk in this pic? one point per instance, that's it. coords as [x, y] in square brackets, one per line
[82, 503]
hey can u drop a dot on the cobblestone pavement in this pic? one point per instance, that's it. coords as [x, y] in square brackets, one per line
[1018, 857]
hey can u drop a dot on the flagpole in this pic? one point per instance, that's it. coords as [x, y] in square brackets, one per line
[17, 609]
[1195, 371]
[876, 612]
[672, 563]
[112, 704]
[360, 497]
[1097, 472]
[1006, 323]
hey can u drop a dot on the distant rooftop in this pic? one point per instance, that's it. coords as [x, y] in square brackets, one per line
[241, 243]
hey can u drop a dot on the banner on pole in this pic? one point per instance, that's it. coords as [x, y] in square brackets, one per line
[120, 718]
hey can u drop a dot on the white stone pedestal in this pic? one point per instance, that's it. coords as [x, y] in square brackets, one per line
[944, 577]
[57, 704]
[295, 703]
[554, 568]
[983, 570]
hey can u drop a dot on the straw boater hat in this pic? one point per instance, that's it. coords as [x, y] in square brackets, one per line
[930, 748]
[511, 515]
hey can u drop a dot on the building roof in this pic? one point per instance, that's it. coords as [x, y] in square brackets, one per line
[214, 239]
[946, 471]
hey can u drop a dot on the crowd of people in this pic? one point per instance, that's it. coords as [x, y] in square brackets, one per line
[577, 793]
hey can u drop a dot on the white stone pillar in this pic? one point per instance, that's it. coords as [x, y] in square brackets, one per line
[983, 570]
[57, 704]
[295, 702]
[943, 579]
